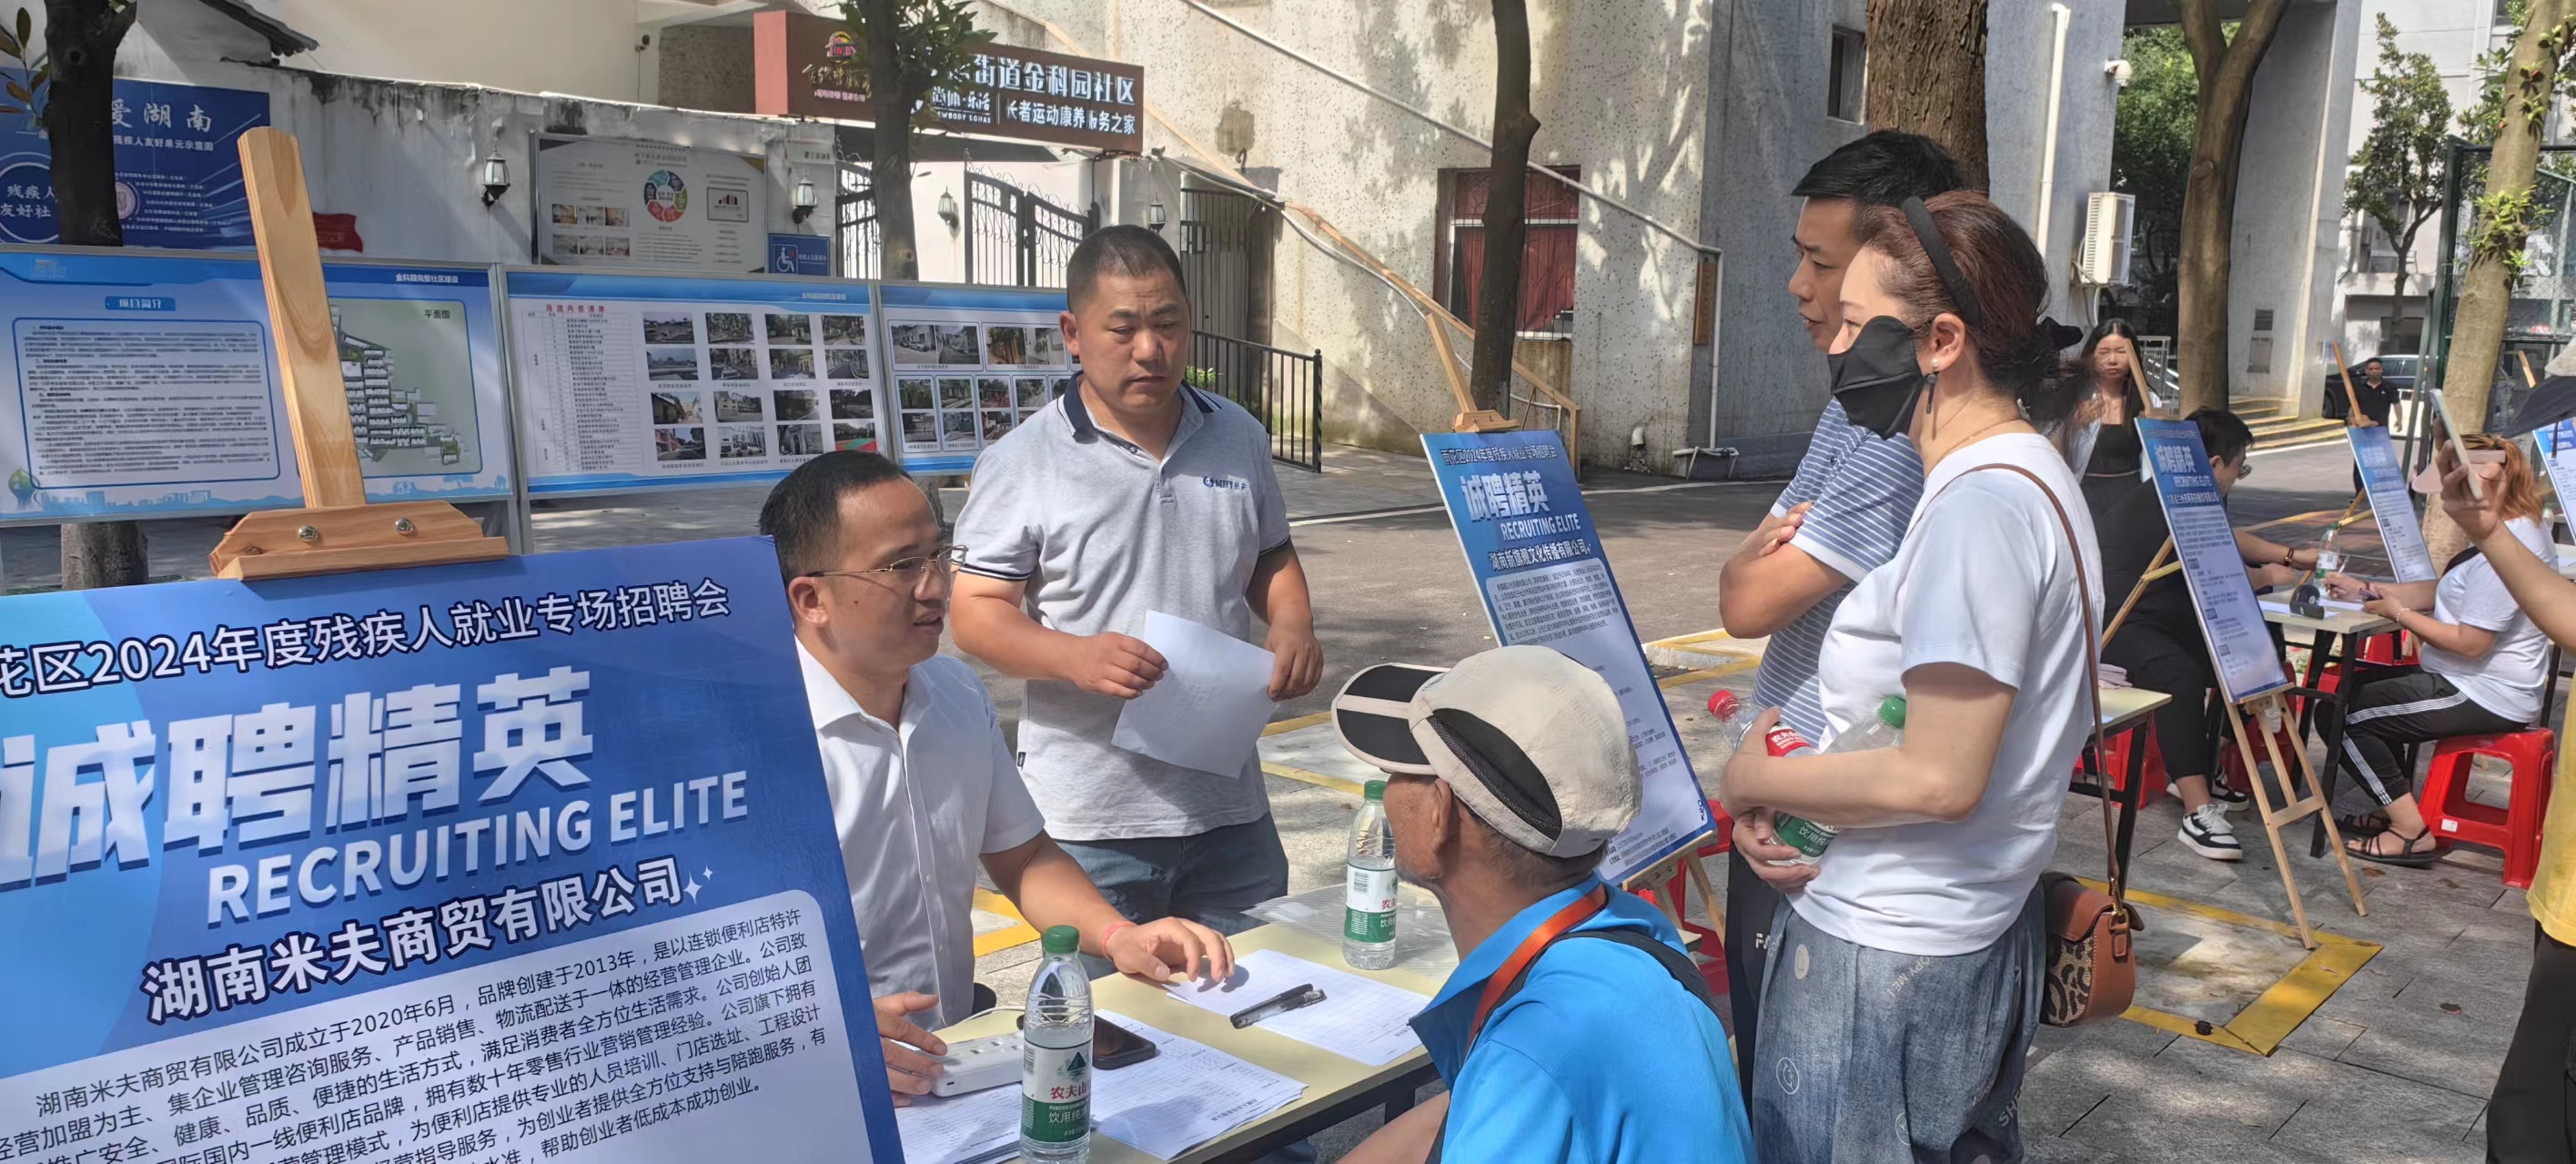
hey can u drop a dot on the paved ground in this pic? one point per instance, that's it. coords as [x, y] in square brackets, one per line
[2396, 1065]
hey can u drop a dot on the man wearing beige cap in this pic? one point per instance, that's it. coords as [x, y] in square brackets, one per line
[1506, 777]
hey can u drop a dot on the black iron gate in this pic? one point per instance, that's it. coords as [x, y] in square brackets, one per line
[1283, 390]
[855, 227]
[1220, 230]
[1015, 238]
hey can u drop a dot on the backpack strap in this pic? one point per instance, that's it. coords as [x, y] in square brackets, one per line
[1684, 972]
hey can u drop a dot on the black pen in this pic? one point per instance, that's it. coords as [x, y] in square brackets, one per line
[1287, 1001]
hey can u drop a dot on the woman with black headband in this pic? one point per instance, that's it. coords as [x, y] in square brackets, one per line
[1905, 979]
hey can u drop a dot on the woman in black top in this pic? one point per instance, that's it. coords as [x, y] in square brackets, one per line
[2112, 470]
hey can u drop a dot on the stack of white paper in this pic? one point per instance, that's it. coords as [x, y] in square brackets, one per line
[1207, 711]
[1187, 1094]
[1360, 1018]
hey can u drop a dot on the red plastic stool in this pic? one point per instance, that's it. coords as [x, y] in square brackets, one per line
[2116, 763]
[2515, 829]
[1676, 890]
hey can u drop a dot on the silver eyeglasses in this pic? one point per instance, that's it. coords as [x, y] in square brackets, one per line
[908, 569]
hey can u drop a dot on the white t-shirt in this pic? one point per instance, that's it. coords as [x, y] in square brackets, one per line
[917, 806]
[2506, 680]
[1985, 579]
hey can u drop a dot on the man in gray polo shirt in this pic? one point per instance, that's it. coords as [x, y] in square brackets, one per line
[1134, 493]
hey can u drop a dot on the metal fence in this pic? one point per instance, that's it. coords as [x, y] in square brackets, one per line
[1282, 389]
[855, 227]
[1015, 238]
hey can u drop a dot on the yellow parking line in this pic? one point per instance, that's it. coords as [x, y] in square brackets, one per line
[1290, 725]
[2265, 1022]
[1019, 934]
[1318, 779]
[1689, 677]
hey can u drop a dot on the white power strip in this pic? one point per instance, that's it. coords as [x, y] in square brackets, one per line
[978, 1064]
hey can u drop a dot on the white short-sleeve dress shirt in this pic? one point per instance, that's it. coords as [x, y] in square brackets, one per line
[917, 805]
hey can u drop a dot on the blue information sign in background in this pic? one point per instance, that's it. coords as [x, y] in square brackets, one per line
[1537, 562]
[525, 858]
[2391, 506]
[2205, 543]
[141, 384]
[178, 168]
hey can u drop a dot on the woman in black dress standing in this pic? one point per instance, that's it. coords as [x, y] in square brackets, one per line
[2102, 422]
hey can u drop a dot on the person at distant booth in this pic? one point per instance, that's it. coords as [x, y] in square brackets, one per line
[2484, 662]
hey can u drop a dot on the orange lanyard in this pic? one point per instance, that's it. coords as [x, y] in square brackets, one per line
[1574, 914]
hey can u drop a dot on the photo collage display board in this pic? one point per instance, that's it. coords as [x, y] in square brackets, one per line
[617, 203]
[141, 383]
[970, 364]
[633, 379]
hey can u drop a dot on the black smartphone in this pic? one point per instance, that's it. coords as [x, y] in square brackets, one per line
[1113, 1046]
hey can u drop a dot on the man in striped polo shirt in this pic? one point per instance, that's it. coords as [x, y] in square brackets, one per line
[1841, 517]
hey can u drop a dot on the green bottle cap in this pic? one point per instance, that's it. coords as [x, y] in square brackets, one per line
[1062, 940]
[1376, 790]
[1891, 712]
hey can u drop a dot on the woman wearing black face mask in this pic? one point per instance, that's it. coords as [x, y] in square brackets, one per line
[1905, 980]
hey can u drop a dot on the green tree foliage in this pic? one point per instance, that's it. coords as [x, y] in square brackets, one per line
[913, 49]
[2151, 158]
[2396, 176]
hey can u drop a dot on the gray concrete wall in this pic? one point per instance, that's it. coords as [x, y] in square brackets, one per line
[2020, 43]
[1373, 170]
[2288, 237]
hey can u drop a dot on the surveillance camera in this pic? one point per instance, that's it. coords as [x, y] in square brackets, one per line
[2119, 72]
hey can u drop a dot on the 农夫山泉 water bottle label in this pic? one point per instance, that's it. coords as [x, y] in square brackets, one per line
[1055, 1093]
[1368, 913]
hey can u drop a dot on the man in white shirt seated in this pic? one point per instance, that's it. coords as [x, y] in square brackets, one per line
[923, 786]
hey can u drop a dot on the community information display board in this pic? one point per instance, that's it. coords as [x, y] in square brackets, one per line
[142, 384]
[1538, 567]
[609, 202]
[629, 380]
[2556, 443]
[178, 167]
[970, 364]
[528, 859]
[2230, 615]
[2391, 506]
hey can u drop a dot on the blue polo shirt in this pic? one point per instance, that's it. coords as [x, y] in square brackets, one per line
[1600, 1058]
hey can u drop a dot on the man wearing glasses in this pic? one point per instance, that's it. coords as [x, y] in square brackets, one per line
[923, 788]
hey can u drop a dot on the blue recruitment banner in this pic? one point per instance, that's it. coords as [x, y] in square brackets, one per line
[1537, 562]
[970, 364]
[2391, 506]
[2556, 444]
[528, 859]
[632, 380]
[139, 384]
[2230, 616]
[178, 168]
[800, 254]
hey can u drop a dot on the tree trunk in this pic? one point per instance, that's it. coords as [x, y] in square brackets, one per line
[1498, 287]
[2486, 288]
[81, 37]
[2226, 72]
[890, 170]
[1927, 75]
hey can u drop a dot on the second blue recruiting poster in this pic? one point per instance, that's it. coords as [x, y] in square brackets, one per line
[2206, 545]
[1538, 568]
[512, 861]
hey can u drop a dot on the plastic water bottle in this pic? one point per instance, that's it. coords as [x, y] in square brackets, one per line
[1806, 836]
[1368, 904]
[2329, 559]
[1055, 1066]
[1729, 714]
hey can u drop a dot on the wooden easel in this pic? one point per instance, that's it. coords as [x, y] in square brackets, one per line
[2309, 802]
[337, 531]
[1687, 862]
[2350, 396]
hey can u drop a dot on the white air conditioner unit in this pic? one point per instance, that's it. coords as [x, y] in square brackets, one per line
[2104, 259]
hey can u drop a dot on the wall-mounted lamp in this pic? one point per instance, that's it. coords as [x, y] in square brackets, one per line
[496, 178]
[948, 209]
[804, 198]
[1154, 216]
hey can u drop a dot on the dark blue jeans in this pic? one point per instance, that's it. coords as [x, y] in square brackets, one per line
[1210, 878]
